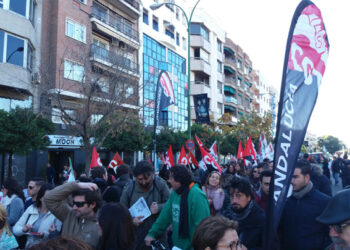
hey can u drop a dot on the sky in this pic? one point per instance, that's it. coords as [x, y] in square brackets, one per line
[261, 28]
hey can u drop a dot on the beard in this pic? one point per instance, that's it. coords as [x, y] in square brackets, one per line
[237, 208]
[340, 244]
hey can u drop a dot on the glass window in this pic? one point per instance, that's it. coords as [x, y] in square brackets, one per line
[177, 39]
[73, 71]
[1, 4]
[219, 46]
[145, 16]
[2, 38]
[75, 30]
[155, 23]
[5, 104]
[219, 67]
[18, 6]
[220, 108]
[219, 86]
[14, 51]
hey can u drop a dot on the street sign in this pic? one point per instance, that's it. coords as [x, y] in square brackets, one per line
[190, 145]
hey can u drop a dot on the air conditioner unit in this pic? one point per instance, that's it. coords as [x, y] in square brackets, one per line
[35, 78]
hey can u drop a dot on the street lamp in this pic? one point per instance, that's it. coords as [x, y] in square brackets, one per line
[19, 49]
[188, 20]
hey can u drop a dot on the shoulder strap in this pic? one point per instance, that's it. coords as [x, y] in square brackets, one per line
[131, 182]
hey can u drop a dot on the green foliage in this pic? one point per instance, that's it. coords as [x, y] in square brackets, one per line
[332, 144]
[303, 149]
[22, 131]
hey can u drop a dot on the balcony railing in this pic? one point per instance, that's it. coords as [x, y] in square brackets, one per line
[115, 21]
[230, 99]
[114, 59]
[133, 3]
[231, 80]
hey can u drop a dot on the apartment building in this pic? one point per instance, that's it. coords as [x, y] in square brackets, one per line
[164, 47]
[207, 63]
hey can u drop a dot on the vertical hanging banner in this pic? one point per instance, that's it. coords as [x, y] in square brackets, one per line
[201, 106]
[304, 65]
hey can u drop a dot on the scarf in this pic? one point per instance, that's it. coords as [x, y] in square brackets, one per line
[301, 193]
[6, 201]
[183, 191]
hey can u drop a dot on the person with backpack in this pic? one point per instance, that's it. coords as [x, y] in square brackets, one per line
[154, 190]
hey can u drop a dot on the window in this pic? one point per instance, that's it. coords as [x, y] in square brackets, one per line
[239, 63]
[75, 30]
[21, 7]
[155, 23]
[219, 67]
[220, 108]
[219, 46]
[95, 118]
[177, 14]
[169, 32]
[198, 29]
[184, 43]
[82, 1]
[239, 81]
[177, 39]
[60, 117]
[201, 54]
[73, 71]
[219, 86]
[7, 103]
[15, 50]
[145, 16]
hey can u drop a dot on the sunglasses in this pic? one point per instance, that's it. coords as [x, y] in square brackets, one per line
[340, 227]
[30, 187]
[79, 203]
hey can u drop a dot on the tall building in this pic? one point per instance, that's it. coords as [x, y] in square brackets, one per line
[20, 52]
[90, 58]
[164, 47]
[238, 81]
[207, 63]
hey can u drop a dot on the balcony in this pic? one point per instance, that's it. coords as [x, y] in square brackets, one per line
[114, 60]
[114, 25]
[199, 41]
[230, 80]
[231, 99]
[198, 87]
[199, 64]
[229, 61]
[131, 7]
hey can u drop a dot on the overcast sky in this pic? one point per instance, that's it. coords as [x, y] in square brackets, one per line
[261, 28]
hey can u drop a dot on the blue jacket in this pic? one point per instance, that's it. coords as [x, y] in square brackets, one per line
[299, 229]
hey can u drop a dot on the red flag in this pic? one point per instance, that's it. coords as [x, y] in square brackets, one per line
[169, 159]
[95, 159]
[240, 151]
[115, 162]
[192, 160]
[209, 160]
[249, 152]
[183, 157]
[214, 151]
[200, 143]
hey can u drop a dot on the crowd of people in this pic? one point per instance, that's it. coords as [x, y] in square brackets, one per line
[179, 208]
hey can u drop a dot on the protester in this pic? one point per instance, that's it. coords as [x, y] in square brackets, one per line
[215, 194]
[337, 163]
[185, 209]
[79, 221]
[34, 185]
[299, 229]
[50, 174]
[62, 243]
[154, 190]
[320, 181]
[122, 176]
[99, 177]
[37, 219]
[254, 178]
[337, 216]
[7, 240]
[250, 217]
[215, 233]
[117, 227]
[325, 168]
[231, 168]
[261, 196]
[239, 168]
[345, 171]
[13, 201]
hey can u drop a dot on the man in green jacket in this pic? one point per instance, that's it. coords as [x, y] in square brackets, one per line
[79, 221]
[185, 209]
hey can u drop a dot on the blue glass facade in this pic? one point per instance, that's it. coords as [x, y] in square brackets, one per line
[156, 57]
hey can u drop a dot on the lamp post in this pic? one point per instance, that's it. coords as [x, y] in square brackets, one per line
[19, 49]
[188, 20]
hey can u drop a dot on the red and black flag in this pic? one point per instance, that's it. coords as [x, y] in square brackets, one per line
[304, 65]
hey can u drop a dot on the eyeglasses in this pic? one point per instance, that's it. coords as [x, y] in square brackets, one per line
[233, 245]
[30, 187]
[79, 203]
[340, 227]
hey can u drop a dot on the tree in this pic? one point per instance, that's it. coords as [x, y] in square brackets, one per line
[23, 131]
[303, 149]
[99, 92]
[332, 144]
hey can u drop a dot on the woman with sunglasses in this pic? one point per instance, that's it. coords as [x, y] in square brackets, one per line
[13, 201]
[37, 221]
[217, 233]
[215, 194]
[7, 240]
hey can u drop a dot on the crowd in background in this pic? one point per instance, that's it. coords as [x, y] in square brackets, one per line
[190, 208]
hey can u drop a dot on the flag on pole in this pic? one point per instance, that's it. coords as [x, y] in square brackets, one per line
[240, 151]
[183, 157]
[214, 151]
[263, 147]
[169, 159]
[249, 152]
[71, 176]
[209, 160]
[200, 144]
[270, 152]
[304, 65]
[192, 160]
[115, 162]
[95, 159]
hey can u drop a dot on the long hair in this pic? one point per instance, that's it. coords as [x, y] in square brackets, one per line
[3, 220]
[206, 184]
[45, 187]
[117, 227]
[13, 188]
